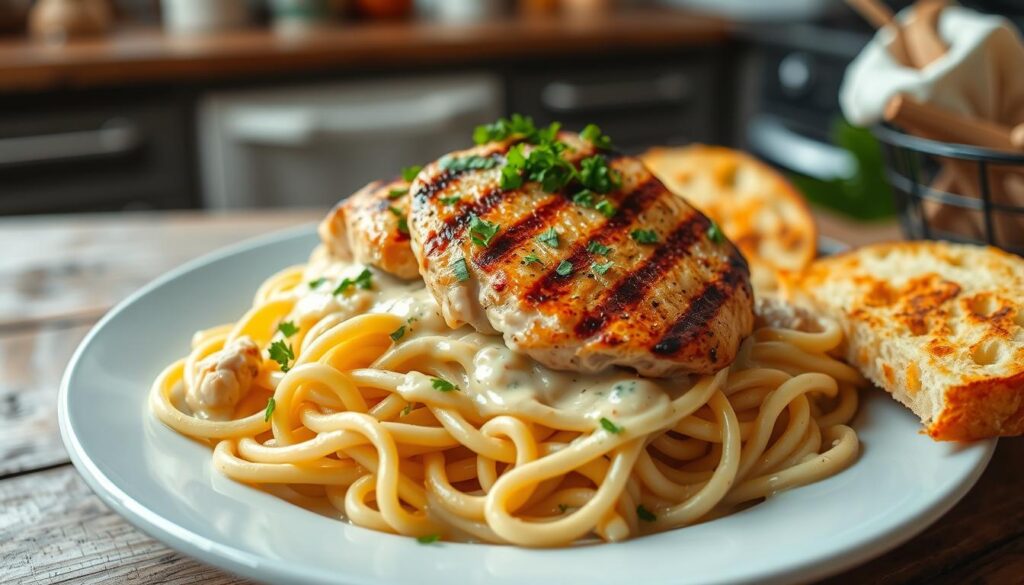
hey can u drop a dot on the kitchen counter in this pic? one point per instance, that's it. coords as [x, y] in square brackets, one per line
[148, 56]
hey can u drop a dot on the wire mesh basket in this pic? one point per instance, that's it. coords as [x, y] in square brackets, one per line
[955, 192]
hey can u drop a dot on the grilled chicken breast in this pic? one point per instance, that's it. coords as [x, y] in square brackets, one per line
[647, 283]
[370, 227]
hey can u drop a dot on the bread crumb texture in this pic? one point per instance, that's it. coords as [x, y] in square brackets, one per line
[938, 325]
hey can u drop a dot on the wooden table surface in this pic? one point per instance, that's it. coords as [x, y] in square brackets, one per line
[149, 55]
[57, 276]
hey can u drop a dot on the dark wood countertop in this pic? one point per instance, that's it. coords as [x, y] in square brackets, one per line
[133, 57]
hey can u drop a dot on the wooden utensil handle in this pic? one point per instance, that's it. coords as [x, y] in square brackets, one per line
[945, 125]
[880, 16]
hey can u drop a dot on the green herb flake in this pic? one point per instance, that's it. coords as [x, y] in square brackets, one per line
[468, 163]
[715, 233]
[287, 328]
[396, 211]
[599, 268]
[281, 353]
[269, 412]
[596, 175]
[513, 126]
[595, 247]
[450, 200]
[397, 193]
[510, 178]
[482, 231]
[442, 385]
[564, 268]
[610, 426]
[460, 270]
[407, 410]
[584, 198]
[403, 225]
[409, 173]
[428, 539]
[316, 283]
[645, 514]
[365, 279]
[397, 333]
[644, 236]
[592, 134]
[549, 237]
[607, 208]
[532, 259]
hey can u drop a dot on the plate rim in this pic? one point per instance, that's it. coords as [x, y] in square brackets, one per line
[260, 568]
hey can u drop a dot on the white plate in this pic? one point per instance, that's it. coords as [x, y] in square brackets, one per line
[164, 483]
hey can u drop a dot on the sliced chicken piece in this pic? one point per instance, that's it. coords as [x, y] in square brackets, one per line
[223, 378]
[655, 286]
[371, 227]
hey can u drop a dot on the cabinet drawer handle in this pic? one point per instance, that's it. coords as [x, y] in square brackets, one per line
[567, 97]
[113, 137]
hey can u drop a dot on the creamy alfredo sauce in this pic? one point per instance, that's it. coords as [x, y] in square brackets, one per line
[501, 381]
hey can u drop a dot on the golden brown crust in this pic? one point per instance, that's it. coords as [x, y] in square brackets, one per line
[756, 206]
[939, 325]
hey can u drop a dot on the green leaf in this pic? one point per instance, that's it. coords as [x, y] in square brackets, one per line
[407, 410]
[397, 333]
[269, 412]
[287, 328]
[396, 211]
[601, 268]
[450, 200]
[715, 233]
[317, 282]
[607, 208]
[468, 163]
[532, 259]
[428, 539]
[596, 175]
[282, 353]
[442, 385]
[564, 268]
[644, 236]
[510, 178]
[610, 426]
[584, 198]
[595, 247]
[365, 279]
[409, 173]
[592, 134]
[482, 231]
[397, 193]
[549, 237]
[460, 269]
[403, 225]
[645, 514]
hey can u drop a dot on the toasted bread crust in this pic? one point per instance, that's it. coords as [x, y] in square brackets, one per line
[758, 208]
[940, 326]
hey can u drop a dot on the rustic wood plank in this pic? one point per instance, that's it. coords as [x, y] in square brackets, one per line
[31, 364]
[148, 56]
[53, 529]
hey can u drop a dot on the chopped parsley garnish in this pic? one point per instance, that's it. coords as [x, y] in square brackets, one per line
[532, 259]
[544, 164]
[645, 514]
[644, 236]
[599, 268]
[397, 333]
[287, 328]
[317, 282]
[564, 268]
[281, 353]
[409, 173]
[513, 126]
[610, 426]
[269, 412]
[363, 281]
[510, 178]
[395, 211]
[607, 208]
[597, 176]
[595, 247]
[549, 237]
[584, 198]
[397, 193]
[592, 134]
[442, 385]
[468, 163]
[460, 270]
[715, 233]
[403, 225]
[407, 410]
[450, 200]
[482, 231]
[428, 539]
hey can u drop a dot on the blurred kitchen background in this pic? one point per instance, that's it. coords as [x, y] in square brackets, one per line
[110, 105]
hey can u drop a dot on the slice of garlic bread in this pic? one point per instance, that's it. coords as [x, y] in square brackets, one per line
[940, 326]
[756, 207]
